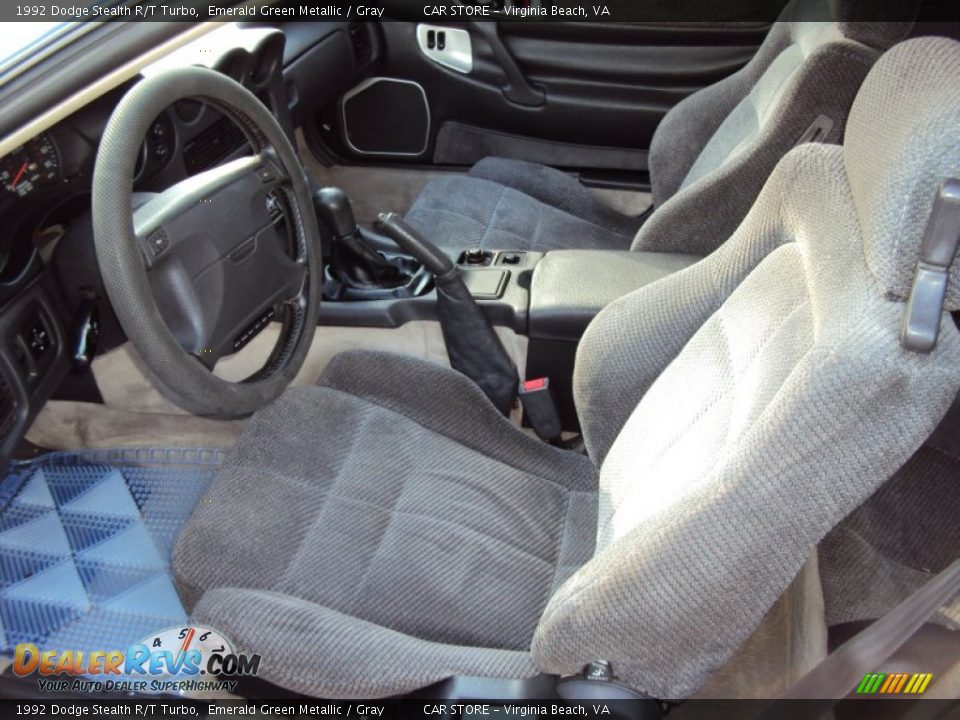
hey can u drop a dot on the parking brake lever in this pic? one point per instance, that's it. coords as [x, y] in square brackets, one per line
[472, 344]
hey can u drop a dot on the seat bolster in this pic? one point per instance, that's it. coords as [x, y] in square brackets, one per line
[345, 657]
[701, 216]
[555, 188]
[447, 402]
[687, 128]
[630, 342]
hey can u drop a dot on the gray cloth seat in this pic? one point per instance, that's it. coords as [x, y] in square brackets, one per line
[734, 413]
[708, 159]
[514, 205]
[420, 509]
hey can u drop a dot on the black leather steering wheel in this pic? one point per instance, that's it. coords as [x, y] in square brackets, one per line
[195, 271]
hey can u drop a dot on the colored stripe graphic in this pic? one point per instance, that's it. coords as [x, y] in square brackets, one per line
[894, 683]
[918, 683]
[185, 644]
[870, 683]
[903, 681]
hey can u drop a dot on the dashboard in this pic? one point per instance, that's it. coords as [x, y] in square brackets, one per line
[47, 181]
[51, 295]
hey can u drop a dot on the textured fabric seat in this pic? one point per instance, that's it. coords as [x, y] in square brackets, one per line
[708, 159]
[414, 505]
[734, 413]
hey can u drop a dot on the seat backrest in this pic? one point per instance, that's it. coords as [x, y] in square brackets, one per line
[712, 153]
[740, 408]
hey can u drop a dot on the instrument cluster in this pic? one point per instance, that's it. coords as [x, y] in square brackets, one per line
[32, 168]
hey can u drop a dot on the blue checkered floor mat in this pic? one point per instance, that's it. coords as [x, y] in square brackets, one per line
[85, 545]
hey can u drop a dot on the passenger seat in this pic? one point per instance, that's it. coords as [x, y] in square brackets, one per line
[709, 157]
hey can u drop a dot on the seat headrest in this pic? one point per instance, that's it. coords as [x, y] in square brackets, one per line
[902, 140]
[876, 23]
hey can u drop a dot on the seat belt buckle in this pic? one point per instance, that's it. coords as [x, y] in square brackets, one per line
[540, 409]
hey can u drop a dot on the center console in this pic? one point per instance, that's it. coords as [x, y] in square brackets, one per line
[374, 279]
[370, 282]
[568, 288]
[502, 292]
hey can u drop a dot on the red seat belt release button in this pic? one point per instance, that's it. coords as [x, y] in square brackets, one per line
[540, 409]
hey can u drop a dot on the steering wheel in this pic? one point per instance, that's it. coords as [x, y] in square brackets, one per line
[196, 271]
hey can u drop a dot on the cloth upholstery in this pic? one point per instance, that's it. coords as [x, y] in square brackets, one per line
[734, 413]
[708, 159]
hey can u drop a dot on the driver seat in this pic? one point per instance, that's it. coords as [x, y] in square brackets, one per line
[393, 523]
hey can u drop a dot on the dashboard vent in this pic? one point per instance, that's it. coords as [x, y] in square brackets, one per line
[8, 407]
[360, 42]
[212, 145]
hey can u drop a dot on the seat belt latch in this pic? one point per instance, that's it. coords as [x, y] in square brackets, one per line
[540, 409]
[920, 327]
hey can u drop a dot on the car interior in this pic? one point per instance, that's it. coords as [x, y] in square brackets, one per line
[489, 359]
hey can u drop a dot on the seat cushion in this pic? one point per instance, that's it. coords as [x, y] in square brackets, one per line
[557, 189]
[392, 492]
[461, 212]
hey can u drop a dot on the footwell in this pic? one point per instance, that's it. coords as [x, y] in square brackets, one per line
[85, 545]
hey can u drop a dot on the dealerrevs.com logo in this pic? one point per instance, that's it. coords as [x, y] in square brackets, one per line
[177, 660]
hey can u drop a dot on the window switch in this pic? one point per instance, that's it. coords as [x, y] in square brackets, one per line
[441, 40]
[431, 39]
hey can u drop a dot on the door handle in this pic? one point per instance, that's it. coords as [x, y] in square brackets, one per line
[447, 46]
[517, 88]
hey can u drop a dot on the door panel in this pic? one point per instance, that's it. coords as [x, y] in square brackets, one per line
[579, 95]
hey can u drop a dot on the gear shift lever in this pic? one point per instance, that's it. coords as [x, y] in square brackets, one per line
[353, 262]
[333, 207]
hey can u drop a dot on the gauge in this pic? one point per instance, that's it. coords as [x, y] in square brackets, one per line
[31, 166]
[157, 148]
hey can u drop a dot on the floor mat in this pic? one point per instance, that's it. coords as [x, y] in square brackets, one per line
[85, 545]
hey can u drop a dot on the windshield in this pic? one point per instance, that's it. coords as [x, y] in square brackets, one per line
[20, 36]
[24, 39]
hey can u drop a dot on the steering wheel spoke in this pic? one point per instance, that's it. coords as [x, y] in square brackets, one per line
[228, 196]
[207, 358]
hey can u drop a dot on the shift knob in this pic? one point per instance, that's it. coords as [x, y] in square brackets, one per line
[333, 207]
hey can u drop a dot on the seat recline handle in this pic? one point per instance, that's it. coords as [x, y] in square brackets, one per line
[920, 327]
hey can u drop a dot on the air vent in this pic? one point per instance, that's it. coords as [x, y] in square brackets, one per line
[360, 42]
[212, 145]
[8, 407]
